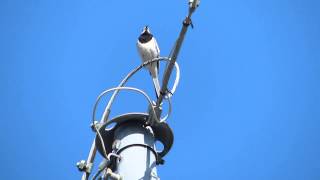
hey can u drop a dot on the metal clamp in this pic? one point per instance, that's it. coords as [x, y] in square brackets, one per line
[152, 117]
[187, 22]
[84, 166]
[194, 3]
[95, 125]
[113, 175]
[162, 132]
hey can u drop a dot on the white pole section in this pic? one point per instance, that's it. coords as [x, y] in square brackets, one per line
[136, 146]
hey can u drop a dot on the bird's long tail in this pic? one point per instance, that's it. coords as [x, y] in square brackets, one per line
[156, 84]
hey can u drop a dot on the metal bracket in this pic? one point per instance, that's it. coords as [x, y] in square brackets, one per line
[116, 144]
[194, 3]
[113, 175]
[84, 166]
[188, 22]
[154, 176]
[162, 132]
[151, 119]
[95, 125]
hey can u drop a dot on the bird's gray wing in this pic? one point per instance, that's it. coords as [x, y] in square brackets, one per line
[156, 47]
[157, 51]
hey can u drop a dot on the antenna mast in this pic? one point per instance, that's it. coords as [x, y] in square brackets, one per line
[128, 147]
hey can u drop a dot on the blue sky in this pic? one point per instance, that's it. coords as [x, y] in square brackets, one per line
[247, 107]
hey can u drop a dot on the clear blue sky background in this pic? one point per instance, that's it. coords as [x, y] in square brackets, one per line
[247, 108]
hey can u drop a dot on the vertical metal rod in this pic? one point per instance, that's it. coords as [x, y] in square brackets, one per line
[92, 154]
[93, 149]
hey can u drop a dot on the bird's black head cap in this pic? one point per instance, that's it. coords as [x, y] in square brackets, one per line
[145, 35]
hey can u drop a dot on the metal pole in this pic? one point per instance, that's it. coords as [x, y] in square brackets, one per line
[93, 149]
[138, 155]
[193, 5]
[136, 146]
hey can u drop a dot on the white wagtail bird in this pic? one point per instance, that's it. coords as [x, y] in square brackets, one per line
[148, 50]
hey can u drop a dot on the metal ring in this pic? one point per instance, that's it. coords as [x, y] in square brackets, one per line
[158, 159]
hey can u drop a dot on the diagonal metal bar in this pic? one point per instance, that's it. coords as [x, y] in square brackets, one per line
[174, 55]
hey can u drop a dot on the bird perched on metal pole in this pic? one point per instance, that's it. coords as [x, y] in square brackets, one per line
[148, 49]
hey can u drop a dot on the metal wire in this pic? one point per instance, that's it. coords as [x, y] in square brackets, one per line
[134, 89]
[97, 174]
[176, 82]
[122, 83]
[117, 89]
[102, 142]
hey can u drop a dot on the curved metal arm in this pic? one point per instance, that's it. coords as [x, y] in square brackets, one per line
[107, 110]
[117, 89]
